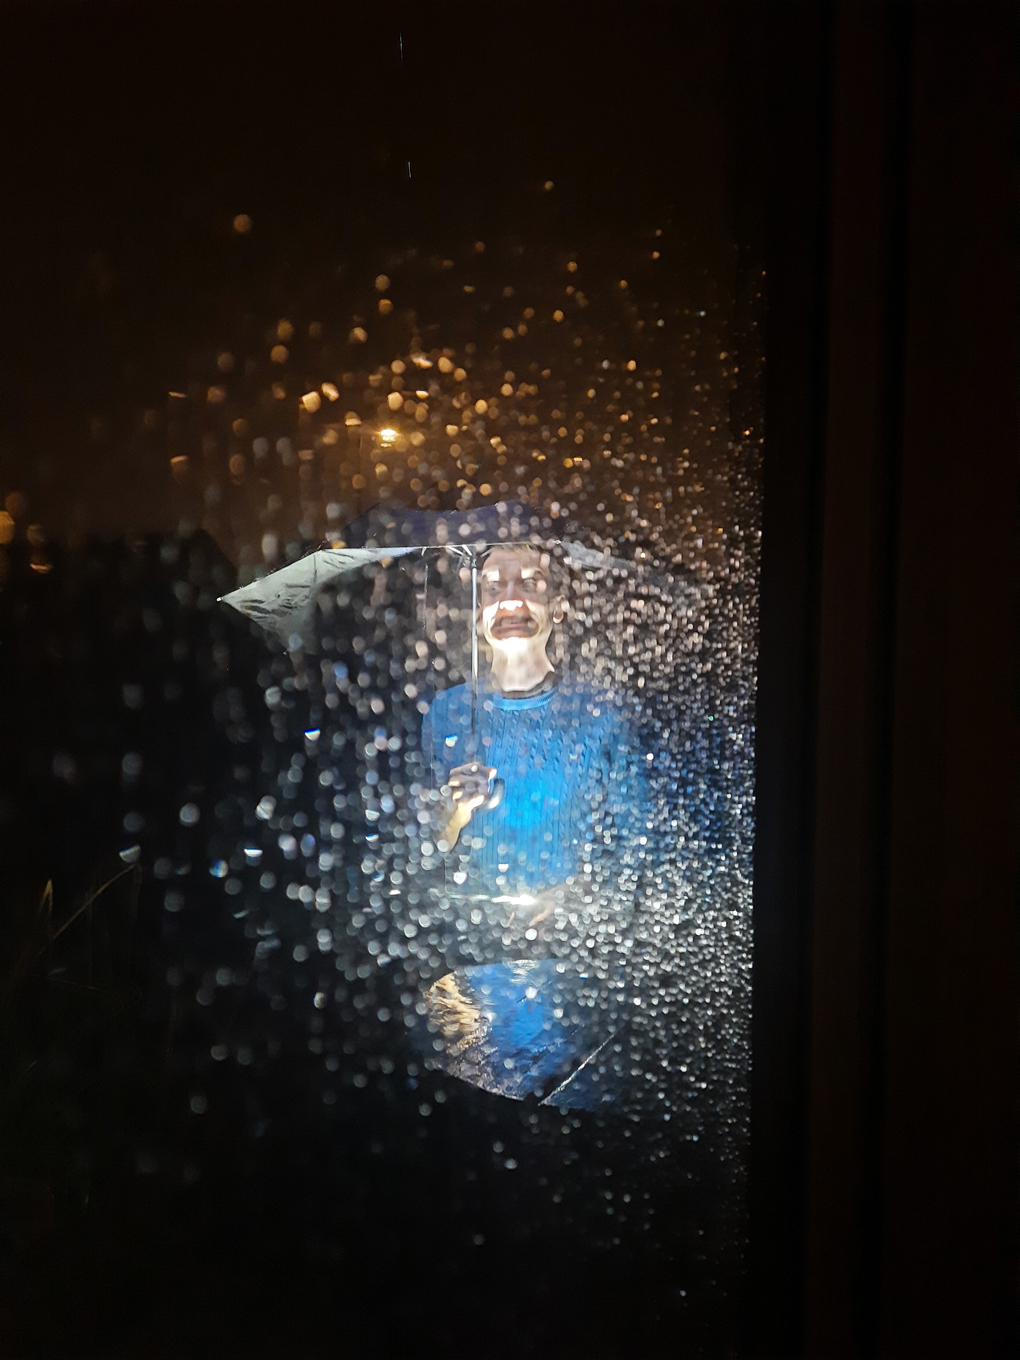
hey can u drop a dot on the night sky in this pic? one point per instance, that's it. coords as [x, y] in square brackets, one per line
[135, 134]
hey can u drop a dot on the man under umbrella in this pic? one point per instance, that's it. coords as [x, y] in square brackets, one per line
[538, 804]
[551, 868]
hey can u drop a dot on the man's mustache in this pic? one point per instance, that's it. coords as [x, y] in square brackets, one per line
[508, 609]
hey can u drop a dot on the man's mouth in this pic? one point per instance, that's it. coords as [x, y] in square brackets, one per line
[515, 622]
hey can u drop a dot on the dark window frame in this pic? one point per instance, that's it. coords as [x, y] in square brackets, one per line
[878, 190]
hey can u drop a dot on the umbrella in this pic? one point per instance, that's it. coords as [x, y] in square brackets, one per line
[283, 603]
[489, 1016]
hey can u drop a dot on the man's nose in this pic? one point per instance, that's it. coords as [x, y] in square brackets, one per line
[509, 594]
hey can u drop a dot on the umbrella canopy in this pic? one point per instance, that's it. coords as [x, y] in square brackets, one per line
[283, 603]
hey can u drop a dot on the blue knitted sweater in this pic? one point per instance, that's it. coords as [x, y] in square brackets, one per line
[576, 801]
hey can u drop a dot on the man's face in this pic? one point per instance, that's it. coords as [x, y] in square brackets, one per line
[515, 596]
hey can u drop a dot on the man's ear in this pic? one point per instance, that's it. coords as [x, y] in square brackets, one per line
[559, 609]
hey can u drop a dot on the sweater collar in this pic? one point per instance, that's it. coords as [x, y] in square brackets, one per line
[530, 698]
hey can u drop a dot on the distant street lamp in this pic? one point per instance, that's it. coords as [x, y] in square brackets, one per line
[373, 443]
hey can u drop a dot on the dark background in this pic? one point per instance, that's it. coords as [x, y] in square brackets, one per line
[135, 133]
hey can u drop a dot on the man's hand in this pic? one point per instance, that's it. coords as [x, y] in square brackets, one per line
[469, 786]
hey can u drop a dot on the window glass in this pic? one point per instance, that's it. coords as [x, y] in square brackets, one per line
[380, 566]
